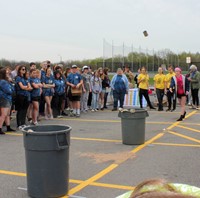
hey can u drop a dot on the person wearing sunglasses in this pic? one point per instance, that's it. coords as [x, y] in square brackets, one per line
[23, 89]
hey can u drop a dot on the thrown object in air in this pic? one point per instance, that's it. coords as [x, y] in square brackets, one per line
[145, 33]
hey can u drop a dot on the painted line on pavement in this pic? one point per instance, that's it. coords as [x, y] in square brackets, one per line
[92, 179]
[177, 122]
[188, 128]
[95, 139]
[76, 138]
[184, 136]
[106, 185]
[147, 143]
[109, 121]
[171, 144]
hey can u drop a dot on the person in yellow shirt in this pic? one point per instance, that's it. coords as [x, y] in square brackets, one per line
[170, 95]
[143, 81]
[159, 85]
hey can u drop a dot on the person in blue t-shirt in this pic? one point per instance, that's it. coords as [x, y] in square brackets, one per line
[59, 94]
[119, 85]
[74, 80]
[23, 89]
[6, 91]
[35, 94]
[48, 91]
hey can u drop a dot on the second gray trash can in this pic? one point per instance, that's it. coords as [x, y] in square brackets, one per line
[133, 126]
[47, 160]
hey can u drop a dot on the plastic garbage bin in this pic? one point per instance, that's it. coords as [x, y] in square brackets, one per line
[133, 126]
[47, 160]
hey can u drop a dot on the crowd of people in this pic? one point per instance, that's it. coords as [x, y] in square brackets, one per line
[53, 89]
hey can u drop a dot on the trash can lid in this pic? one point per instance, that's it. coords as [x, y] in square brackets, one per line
[46, 129]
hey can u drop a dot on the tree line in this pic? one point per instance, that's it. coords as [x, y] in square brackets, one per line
[133, 59]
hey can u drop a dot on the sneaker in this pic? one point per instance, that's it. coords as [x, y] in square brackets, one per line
[35, 123]
[59, 116]
[51, 117]
[64, 114]
[10, 130]
[120, 109]
[21, 127]
[71, 114]
[96, 109]
[77, 115]
[92, 110]
[46, 117]
[2, 133]
[152, 108]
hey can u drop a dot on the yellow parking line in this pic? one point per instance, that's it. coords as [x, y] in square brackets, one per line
[12, 173]
[108, 121]
[112, 186]
[74, 181]
[190, 123]
[95, 139]
[14, 134]
[88, 120]
[171, 144]
[177, 123]
[76, 138]
[188, 128]
[92, 179]
[190, 114]
[184, 136]
[147, 143]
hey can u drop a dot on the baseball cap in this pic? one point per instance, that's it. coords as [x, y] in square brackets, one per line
[85, 67]
[74, 66]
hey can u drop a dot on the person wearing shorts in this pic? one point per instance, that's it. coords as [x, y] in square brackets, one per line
[74, 80]
[35, 94]
[47, 92]
[6, 91]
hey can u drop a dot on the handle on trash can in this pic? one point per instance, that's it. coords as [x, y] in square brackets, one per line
[63, 146]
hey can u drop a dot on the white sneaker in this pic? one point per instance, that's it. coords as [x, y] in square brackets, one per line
[92, 110]
[35, 123]
[51, 117]
[96, 110]
[46, 117]
[59, 116]
[120, 109]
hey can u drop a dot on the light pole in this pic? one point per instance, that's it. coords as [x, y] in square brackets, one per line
[60, 58]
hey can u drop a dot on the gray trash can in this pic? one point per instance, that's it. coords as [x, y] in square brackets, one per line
[47, 160]
[133, 126]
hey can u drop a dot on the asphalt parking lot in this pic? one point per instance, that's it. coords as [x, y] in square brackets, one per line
[101, 166]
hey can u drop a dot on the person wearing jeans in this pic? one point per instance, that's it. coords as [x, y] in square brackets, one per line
[119, 85]
[96, 86]
[23, 89]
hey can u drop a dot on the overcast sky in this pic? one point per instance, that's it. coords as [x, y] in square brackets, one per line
[36, 30]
